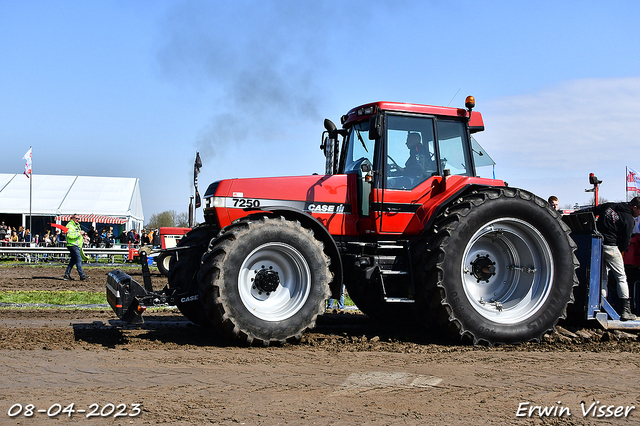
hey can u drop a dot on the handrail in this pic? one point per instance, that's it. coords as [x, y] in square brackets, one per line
[39, 252]
[61, 250]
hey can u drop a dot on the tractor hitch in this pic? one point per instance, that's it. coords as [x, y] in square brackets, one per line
[129, 299]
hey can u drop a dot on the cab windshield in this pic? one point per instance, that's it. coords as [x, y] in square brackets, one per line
[359, 147]
[413, 149]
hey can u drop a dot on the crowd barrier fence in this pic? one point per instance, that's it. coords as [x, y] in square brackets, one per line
[45, 254]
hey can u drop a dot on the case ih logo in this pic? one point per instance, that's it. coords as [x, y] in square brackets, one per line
[325, 208]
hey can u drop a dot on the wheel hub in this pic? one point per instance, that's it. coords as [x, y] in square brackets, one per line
[483, 268]
[266, 280]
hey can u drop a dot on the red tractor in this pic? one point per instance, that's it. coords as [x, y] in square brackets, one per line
[400, 218]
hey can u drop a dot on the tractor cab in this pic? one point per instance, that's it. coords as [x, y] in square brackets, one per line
[403, 154]
[405, 143]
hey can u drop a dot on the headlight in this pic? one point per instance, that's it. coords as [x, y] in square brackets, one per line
[213, 202]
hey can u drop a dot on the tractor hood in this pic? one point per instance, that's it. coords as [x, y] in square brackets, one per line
[312, 194]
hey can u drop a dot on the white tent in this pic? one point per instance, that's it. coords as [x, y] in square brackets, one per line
[99, 199]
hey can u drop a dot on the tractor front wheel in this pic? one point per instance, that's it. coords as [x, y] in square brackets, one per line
[265, 280]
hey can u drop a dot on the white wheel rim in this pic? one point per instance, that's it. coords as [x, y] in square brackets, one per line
[523, 275]
[165, 262]
[294, 276]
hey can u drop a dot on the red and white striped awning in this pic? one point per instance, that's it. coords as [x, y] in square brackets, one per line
[93, 218]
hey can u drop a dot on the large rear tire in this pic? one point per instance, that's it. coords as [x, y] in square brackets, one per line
[500, 267]
[264, 280]
[183, 273]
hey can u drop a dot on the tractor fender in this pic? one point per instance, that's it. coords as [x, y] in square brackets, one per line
[330, 246]
[449, 201]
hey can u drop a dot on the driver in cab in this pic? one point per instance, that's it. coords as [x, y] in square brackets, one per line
[417, 161]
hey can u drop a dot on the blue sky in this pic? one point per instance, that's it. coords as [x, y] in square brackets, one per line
[134, 89]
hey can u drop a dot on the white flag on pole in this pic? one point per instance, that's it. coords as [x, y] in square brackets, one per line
[27, 166]
[633, 182]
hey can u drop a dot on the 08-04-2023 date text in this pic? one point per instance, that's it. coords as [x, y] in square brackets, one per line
[94, 410]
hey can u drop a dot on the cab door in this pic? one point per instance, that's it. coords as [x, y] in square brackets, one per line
[410, 166]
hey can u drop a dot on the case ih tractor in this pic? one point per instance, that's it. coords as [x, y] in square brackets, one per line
[400, 217]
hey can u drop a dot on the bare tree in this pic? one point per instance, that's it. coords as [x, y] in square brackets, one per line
[601, 200]
[168, 218]
[182, 220]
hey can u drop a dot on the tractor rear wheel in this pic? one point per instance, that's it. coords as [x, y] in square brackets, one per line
[183, 273]
[500, 267]
[264, 280]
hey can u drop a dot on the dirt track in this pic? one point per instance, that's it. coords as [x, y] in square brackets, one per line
[346, 371]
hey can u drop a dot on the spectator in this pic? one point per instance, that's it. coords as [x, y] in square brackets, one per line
[46, 240]
[7, 237]
[555, 203]
[14, 238]
[144, 238]
[110, 236]
[75, 237]
[4, 230]
[123, 238]
[26, 236]
[60, 239]
[157, 243]
[93, 237]
[615, 223]
[21, 234]
[131, 236]
[107, 237]
[102, 238]
[340, 301]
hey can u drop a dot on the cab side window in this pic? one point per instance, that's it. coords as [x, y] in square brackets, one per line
[451, 142]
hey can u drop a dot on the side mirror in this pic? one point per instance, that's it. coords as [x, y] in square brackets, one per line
[376, 126]
[364, 187]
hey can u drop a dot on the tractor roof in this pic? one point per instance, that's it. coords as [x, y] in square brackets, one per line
[362, 112]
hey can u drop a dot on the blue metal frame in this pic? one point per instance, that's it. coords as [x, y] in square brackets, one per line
[609, 319]
[595, 277]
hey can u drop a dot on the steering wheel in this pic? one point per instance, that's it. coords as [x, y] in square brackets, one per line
[393, 166]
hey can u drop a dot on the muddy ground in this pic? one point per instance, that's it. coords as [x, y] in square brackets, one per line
[345, 371]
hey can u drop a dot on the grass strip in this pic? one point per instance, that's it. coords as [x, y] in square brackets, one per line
[65, 297]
